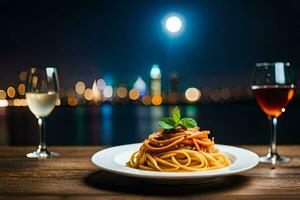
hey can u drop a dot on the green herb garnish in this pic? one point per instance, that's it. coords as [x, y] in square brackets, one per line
[170, 123]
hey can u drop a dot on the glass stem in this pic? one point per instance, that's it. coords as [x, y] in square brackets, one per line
[273, 128]
[41, 122]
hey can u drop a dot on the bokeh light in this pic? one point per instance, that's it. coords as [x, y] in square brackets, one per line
[2, 94]
[10, 102]
[21, 89]
[22, 76]
[173, 98]
[215, 95]
[58, 102]
[225, 93]
[3, 103]
[11, 92]
[156, 100]
[72, 101]
[96, 93]
[34, 81]
[23, 102]
[17, 102]
[108, 91]
[134, 94]
[101, 84]
[80, 87]
[88, 94]
[192, 94]
[121, 92]
[146, 100]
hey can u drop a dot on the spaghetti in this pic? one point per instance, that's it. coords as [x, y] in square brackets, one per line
[179, 150]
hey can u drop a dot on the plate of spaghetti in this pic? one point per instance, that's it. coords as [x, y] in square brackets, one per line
[179, 150]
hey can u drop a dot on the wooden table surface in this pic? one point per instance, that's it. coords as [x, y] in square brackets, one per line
[73, 176]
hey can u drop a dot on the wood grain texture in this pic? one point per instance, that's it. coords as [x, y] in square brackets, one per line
[73, 176]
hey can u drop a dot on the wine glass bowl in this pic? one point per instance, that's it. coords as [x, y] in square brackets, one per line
[42, 90]
[273, 85]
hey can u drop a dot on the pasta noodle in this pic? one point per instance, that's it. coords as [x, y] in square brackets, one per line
[179, 150]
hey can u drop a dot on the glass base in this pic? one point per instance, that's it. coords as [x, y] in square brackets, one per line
[41, 153]
[274, 159]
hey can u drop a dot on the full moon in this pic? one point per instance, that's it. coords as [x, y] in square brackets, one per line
[173, 24]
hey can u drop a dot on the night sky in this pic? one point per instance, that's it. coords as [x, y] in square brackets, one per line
[88, 39]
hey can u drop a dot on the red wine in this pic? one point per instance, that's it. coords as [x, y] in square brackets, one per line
[273, 99]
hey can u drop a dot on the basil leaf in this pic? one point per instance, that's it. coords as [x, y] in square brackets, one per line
[176, 115]
[167, 123]
[188, 122]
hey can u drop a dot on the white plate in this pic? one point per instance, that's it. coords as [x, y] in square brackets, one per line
[113, 159]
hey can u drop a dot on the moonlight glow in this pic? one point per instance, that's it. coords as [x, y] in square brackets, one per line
[173, 24]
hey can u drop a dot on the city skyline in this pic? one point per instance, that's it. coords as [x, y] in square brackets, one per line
[144, 92]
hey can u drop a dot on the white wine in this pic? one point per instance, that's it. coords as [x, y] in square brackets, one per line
[41, 104]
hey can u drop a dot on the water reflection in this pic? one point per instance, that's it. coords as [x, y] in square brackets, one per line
[156, 113]
[94, 125]
[4, 139]
[142, 127]
[106, 130]
[191, 111]
[80, 125]
[122, 124]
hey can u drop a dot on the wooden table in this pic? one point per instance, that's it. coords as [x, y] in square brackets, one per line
[73, 176]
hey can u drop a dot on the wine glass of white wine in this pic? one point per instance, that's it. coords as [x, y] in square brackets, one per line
[42, 89]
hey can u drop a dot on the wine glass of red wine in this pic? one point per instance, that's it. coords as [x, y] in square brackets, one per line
[273, 85]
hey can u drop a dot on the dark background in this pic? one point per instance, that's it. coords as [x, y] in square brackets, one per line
[86, 40]
[222, 40]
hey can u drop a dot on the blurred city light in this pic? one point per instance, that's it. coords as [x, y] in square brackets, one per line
[22, 76]
[3, 103]
[17, 102]
[23, 102]
[173, 24]
[72, 101]
[34, 81]
[140, 85]
[147, 93]
[10, 102]
[215, 95]
[2, 94]
[156, 100]
[101, 84]
[80, 87]
[134, 94]
[11, 92]
[225, 93]
[155, 75]
[88, 94]
[21, 89]
[121, 92]
[192, 94]
[108, 91]
[155, 72]
[58, 102]
[146, 100]
[96, 92]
